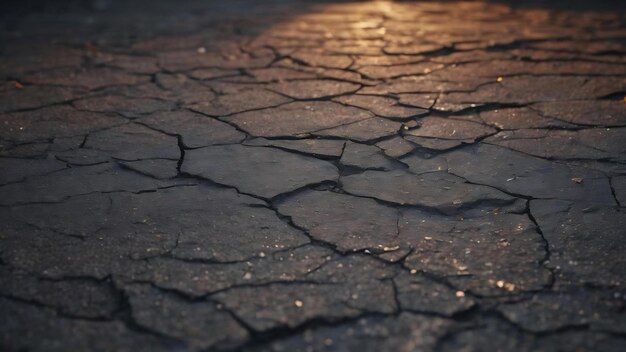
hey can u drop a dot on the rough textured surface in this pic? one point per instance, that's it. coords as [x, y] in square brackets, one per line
[263, 172]
[194, 130]
[438, 190]
[297, 118]
[312, 175]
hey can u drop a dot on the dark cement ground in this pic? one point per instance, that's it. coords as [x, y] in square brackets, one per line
[307, 176]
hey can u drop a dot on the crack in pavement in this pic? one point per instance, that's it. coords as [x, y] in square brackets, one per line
[312, 176]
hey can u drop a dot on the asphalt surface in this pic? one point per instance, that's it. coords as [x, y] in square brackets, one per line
[312, 176]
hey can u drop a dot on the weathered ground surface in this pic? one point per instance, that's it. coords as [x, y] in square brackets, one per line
[312, 176]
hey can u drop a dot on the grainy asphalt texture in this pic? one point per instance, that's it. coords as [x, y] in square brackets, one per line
[309, 176]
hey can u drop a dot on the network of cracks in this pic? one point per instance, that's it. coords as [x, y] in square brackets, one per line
[291, 176]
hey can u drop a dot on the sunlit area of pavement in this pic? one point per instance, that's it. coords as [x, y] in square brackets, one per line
[312, 175]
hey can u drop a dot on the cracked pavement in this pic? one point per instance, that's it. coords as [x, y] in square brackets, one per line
[312, 176]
